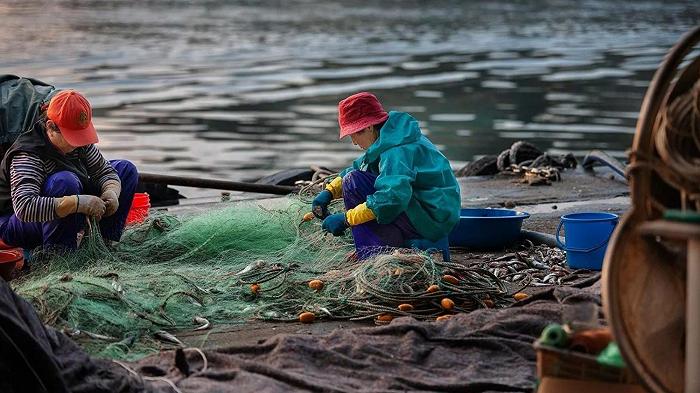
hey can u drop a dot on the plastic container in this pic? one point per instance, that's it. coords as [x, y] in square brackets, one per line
[487, 228]
[587, 236]
[11, 260]
[139, 208]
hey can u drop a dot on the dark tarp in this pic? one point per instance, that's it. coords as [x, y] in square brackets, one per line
[35, 358]
[484, 351]
[487, 350]
[20, 105]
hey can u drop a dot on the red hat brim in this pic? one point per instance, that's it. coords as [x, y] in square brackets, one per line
[362, 124]
[82, 137]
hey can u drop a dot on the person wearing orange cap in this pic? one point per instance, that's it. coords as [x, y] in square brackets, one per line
[53, 177]
[401, 188]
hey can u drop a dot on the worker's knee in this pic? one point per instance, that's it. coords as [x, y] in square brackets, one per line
[62, 183]
[355, 180]
[349, 181]
[125, 168]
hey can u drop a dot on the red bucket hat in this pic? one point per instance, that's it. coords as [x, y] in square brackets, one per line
[358, 112]
[72, 114]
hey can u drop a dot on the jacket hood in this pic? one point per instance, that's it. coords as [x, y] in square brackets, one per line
[400, 129]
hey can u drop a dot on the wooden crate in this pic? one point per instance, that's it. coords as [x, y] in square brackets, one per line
[565, 364]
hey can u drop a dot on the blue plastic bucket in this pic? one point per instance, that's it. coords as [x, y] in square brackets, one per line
[587, 236]
[487, 228]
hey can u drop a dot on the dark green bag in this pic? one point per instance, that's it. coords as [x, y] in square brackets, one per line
[20, 105]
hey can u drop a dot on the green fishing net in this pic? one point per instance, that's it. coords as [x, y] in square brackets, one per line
[236, 263]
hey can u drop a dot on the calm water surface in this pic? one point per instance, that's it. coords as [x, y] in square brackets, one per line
[239, 89]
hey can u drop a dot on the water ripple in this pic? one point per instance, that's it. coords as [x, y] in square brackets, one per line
[237, 89]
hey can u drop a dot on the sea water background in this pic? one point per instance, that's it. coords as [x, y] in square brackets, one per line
[239, 89]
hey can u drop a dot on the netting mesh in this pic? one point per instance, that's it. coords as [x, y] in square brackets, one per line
[245, 261]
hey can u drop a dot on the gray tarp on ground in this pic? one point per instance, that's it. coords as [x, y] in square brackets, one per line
[484, 351]
[37, 358]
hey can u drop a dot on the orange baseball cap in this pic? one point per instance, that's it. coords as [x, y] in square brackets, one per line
[72, 114]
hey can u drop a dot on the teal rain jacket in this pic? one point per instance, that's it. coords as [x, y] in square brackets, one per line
[413, 177]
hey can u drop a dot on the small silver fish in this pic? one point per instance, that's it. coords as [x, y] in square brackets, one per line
[77, 332]
[253, 265]
[505, 257]
[325, 311]
[117, 287]
[200, 289]
[70, 332]
[517, 264]
[97, 336]
[204, 323]
[548, 277]
[538, 265]
[167, 337]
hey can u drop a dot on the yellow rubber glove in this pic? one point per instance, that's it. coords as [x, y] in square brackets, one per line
[336, 187]
[360, 214]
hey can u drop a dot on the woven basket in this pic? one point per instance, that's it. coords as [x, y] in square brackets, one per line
[644, 278]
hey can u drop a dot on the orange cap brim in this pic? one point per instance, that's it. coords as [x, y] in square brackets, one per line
[82, 137]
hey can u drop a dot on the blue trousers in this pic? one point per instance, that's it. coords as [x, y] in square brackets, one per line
[371, 236]
[63, 232]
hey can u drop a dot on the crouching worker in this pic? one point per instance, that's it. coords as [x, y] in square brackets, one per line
[53, 177]
[401, 188]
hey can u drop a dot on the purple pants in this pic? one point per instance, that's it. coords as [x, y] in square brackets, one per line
[371, 236]
[62, 232]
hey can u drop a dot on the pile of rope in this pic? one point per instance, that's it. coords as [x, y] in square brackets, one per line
[523, 159]
[678, 144]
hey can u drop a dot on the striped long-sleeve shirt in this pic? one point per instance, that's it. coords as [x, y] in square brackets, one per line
[29, 171]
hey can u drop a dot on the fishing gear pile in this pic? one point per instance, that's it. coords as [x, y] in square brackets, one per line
[523, 159]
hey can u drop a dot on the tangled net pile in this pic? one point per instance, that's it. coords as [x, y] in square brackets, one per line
[242, 262]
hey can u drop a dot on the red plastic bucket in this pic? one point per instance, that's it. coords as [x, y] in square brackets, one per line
[11, 260]
[139, 208]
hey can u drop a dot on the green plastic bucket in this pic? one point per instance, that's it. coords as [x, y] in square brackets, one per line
[587, 236]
